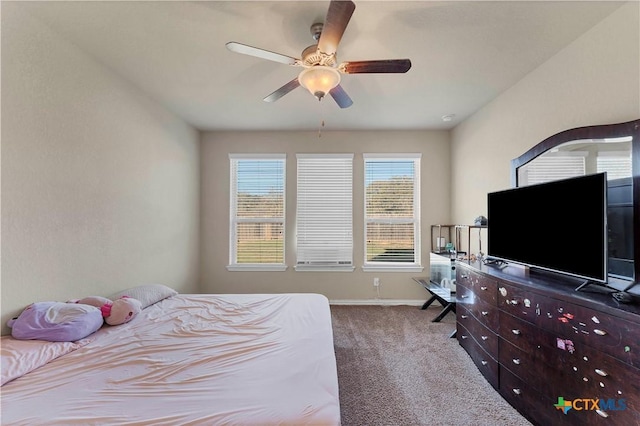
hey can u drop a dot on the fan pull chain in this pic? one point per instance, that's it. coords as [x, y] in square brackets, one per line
[321, 118]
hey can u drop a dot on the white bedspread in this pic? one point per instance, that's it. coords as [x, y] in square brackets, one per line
[193, 359]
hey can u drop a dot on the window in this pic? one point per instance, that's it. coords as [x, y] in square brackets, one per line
[617, 164]
[256, 240]
[392, 216]
[325, 212]
[552, 167]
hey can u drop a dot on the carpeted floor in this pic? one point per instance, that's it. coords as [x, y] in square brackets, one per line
[396, 367]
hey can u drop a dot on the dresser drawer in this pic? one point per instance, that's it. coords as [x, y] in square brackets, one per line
[602, 375]
[538, 408]
[536, 375]
[487, 365]
[486, 338]
[480, 309]
[519, 395]
[540, 344]
[613, 335]
[485, 288]
[547, 379]
[579, 367]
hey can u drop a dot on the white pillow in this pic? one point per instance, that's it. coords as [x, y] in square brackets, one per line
[22, 356]
[147, 294]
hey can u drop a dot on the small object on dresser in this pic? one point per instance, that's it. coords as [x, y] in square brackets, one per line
[622, 297]
[480, 221]
[450, 248]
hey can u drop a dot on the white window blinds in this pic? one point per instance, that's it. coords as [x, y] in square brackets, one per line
[392, 217]
[257, 209]
[547, 168]
[324, 211]
[616, 164]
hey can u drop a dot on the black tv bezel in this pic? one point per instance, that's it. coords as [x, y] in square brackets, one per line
[605, 255]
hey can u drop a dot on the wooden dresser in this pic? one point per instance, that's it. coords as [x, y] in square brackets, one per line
[539, 342]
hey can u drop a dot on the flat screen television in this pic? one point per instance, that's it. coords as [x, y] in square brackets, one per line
[559, 226]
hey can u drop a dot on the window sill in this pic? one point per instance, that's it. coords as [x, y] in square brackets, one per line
[256, 268]
[316, 268]
[392, 268]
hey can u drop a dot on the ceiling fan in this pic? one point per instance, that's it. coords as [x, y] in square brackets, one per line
[321, 74]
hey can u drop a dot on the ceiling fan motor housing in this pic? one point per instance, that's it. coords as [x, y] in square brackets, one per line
[312, 56]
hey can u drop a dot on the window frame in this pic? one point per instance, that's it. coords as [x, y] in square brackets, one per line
[416, 265]
[233, 265]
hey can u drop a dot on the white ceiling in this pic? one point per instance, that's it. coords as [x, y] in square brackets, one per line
[464, 54]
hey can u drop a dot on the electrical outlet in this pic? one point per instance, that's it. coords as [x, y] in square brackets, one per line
[376, 282]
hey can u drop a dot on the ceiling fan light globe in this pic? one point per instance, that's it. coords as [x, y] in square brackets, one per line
[319, 80]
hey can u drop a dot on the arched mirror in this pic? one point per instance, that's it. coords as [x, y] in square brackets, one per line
[614, 149]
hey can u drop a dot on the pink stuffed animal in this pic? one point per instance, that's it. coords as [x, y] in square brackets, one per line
[114, 312]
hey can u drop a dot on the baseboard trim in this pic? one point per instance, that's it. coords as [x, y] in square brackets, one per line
[378, 302]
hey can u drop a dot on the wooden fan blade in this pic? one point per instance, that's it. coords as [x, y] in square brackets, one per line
[282, 91]
[340, 96]
[335, 23]
[261, 53]
[381, 66]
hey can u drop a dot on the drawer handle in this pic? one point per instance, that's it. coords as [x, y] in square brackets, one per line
[464, 336]
[484, 337]
[464, 276]
[516, 332]
[464, 296]
[600, 332]
[517, 391]
[516, 361]
[484, 362]
[464, 316]
[602, 413]
[601, 372]
[483, 288]
[485, 313]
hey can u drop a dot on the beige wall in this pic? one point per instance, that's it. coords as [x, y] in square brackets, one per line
[594, 80]
[358, 285]
[100, 185]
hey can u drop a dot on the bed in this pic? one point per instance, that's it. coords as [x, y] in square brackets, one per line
[189, 360]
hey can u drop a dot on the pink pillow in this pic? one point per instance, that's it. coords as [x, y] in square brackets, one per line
[22, 356]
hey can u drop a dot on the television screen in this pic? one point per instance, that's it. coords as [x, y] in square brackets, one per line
[559, 226]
